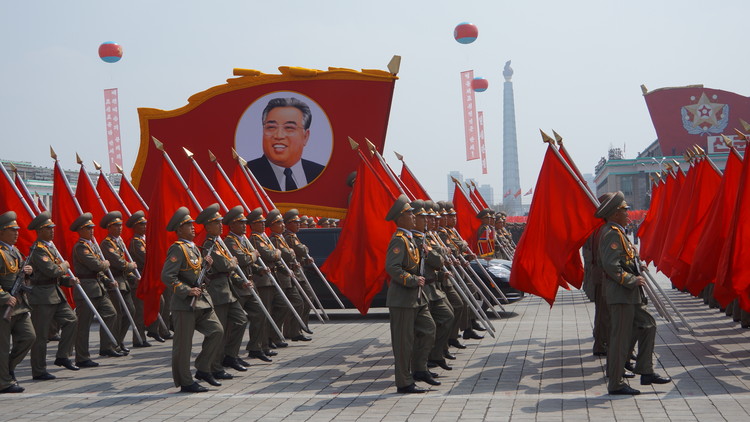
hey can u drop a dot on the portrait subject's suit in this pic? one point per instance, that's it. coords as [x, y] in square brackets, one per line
[262, 170]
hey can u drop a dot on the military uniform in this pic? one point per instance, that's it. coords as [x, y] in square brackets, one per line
[180, 274]
[18, 327]
[629, 319]
[113, 251]
[292, 328]
[47, 300]
[137, 251]
[485, 236]
[460, 308]
[412, 326]
[89, 269]
[280, 310]
[593, 278]
[259, 326]
[220, 279]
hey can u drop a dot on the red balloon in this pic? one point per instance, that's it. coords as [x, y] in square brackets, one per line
[110, 52]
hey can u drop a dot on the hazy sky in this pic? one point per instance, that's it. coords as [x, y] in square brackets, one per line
[578, 68]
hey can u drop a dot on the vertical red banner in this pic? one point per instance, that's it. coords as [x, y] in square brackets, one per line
[482, 150]
[112, 114]
[470, 115]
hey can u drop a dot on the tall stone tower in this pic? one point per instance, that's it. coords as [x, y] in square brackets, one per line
[511, 180]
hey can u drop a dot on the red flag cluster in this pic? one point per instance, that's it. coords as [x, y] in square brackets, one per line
[694, 231]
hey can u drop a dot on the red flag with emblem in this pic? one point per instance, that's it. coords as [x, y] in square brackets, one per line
[357, 265]
[548, 253]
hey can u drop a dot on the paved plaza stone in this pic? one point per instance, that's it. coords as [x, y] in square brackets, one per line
[540, 367]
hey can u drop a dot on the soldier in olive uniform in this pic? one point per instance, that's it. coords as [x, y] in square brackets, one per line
[258, 346]
[412, 327]
[48, 303]
[137, 249]
[431, 259]
[221, 278]
[292, 328]
[89, 268]
[17, 326]
[460, 247]
[623, 285]
[460, 309]
[504, 247]
[486, 234]
[281, 311]
[246, 256]
[113, 249]
[191, 307]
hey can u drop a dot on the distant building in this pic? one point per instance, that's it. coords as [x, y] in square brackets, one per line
[487, 193]
[452, 186]
[38, 179]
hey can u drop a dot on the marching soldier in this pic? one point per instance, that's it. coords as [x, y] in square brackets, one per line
[17, 327]
[246, 256]
[440, 309]
[89, 268]
[503, 240]
[258, 346]
[137, 249]
[292, 222]
[459, 248]
[460, 309]
[412, 327]
[623, 286]
[48, 303]
[112, 248]
[220, 279]
[281, 311]
[191, 307]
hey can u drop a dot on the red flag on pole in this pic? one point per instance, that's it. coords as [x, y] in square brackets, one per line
[652, 251]
[356, 266]
[65, 210]
[477, 198]
[21, 186]
[529, 192]
[467, 222]
[130, 196]
[11, 199]
[732, 267]
[167, 195]
[248, 190]
[411, 182]
[507, 194]
[712, 237]
[548, 254]
[682, 248]
[517, 194]
[87, 198]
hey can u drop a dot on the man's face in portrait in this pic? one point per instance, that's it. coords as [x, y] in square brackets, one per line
[284, 136]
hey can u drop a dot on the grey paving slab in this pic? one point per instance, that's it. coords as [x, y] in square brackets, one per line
[539, 368]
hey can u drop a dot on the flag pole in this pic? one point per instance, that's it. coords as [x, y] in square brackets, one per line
[124, 179]
[20, 181]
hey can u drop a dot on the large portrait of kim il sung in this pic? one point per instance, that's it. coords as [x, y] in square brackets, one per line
[286, 139]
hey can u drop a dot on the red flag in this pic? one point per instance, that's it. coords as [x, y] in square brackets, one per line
[646, 226]
[507, 194]
[529, 192]
[673, 234]
[21, 186]
[167, 195]
[411, 182]
[131, 197]
[110, 197]
[548, 253]
[715, 230]
[357, 265]
[732, 267]
[87, 198]
[40, 205]
[226, 190]
[467, 222]
[652, 251]
[517, 194]
[478, 199]
[199, 188]
[683, 246]
[65, 210]
[11, 199]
